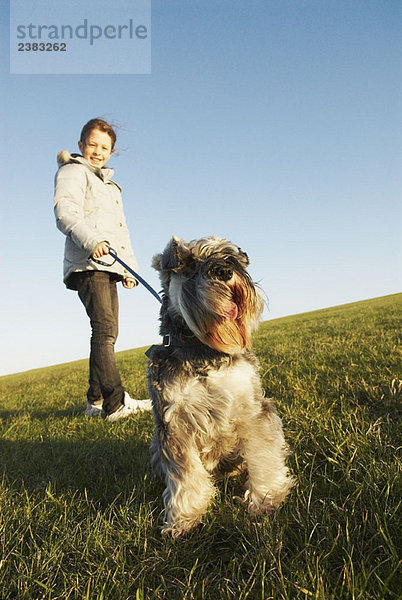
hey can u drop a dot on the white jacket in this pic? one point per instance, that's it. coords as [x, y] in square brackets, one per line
[89, 210]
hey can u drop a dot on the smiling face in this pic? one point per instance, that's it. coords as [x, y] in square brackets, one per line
[97, 147]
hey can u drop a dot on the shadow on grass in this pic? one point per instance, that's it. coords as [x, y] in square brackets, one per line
[101, 470]
[41, 415]
[381, 400]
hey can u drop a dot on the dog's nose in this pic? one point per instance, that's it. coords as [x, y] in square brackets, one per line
[222, 273]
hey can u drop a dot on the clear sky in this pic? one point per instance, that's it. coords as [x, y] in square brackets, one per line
[274, 123]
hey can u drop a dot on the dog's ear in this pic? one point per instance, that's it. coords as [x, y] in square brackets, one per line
[174, 256]
[244, 258]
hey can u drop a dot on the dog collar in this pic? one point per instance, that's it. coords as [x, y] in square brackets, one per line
[177, 342]
[169, 340]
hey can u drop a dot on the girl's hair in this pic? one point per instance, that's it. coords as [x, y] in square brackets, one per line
[98, 124]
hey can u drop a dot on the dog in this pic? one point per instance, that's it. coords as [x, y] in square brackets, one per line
[210, 414]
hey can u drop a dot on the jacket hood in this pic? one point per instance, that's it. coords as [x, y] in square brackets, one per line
[64, 157]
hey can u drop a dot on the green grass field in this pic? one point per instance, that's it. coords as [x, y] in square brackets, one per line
[80, 509]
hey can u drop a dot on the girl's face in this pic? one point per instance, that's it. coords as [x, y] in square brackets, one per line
[97, 148]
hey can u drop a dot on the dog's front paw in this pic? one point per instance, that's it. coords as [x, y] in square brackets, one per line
[266, 500]
[258, 504]
[179, 528]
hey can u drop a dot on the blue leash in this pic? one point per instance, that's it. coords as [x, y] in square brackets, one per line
[113, 254]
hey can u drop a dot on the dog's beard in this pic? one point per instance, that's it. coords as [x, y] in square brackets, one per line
[222, 315]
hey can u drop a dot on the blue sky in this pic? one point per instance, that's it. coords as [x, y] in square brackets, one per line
[274, 123]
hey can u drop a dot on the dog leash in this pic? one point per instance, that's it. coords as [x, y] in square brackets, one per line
[114, 255]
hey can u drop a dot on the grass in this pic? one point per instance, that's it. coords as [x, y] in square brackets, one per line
[80, 509]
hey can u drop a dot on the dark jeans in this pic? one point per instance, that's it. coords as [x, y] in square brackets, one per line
[98, 292]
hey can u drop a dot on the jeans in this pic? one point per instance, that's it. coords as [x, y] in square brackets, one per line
[98, 292]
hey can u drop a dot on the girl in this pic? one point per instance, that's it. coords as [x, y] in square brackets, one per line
[89, 211]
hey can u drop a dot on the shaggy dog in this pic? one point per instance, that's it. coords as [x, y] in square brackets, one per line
[209, 409]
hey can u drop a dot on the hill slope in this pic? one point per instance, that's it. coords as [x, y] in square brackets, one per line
[80, 509]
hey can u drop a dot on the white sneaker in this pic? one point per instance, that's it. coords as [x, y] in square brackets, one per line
[130, 407]
[94, 409]
[144, 404]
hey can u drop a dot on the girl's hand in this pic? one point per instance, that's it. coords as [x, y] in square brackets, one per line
[100, 250]
[129, 283]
